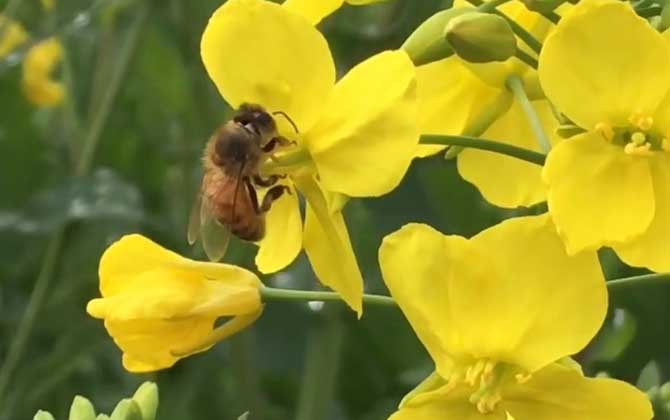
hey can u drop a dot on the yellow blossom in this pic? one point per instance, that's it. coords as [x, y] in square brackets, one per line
[38, 66]
[159, 307]
[12, 35]
[498, 313]
[356, 137]
[453, 94]
[606, 69]
[317, 10]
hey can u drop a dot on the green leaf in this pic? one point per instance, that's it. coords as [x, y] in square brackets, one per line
[81, 409]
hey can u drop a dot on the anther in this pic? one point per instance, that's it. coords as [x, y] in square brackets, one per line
[605, 130]
[642, 122]
[638, 138]
[641, 150]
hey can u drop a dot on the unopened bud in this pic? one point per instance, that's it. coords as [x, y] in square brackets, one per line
[126, 409]
[146, 398]
[427, 43]
[81, 409]
[481, 37]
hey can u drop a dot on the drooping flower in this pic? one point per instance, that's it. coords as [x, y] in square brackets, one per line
[315, 11]
[610, 186]
[38, 66]
[356, 137]
[498, 313]
[454, 94]
[159, 306]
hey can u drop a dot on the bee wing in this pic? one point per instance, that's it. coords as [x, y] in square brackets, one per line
[194, 220]
[215, 236]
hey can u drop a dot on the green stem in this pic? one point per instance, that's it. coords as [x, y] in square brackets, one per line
[322, 360]
[109, 95]
[32, 309]
[526, 58]
[553, 17]
[271, 293]
[645, 279]
[489, 145]
[515, 84]
[523, 34]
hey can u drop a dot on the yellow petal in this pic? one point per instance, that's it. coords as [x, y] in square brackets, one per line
[283, 235]
[367, 137]
[13, 35]
[445, 409]
[328, 247]
[449, 98]
[313, 11]
[466, 300]
[598, 195]
[259, 52]
[559, 393]
[502, 180]
[38, 64]
[522, 314]
[420, 267]
[652, 248]
[147, 344]
[604, 43]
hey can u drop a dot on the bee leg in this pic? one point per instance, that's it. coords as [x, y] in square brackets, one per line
[271, 145]
[265, 182]
[252, 195]
[273, 194]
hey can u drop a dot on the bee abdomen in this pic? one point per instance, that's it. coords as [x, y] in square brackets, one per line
[249, 230]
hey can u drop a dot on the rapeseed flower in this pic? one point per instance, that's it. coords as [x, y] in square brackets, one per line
[608, 71]
[12, 35]
[498, 314]
[315, 11]
[356, 137]
[38, 66]
[159, 306]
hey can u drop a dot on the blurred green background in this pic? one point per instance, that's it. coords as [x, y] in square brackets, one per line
[141, 106]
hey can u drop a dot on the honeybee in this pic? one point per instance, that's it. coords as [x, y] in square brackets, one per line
[227, 203]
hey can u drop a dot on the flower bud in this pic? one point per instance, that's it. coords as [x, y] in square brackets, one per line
[81, 409]
[126, 409]
[146, 398]
[481, 37]
[427, 44]
[43, 415]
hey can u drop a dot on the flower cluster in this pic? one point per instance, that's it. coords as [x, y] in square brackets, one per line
[584, 88]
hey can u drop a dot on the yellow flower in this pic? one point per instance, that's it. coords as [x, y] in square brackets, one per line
[159, 307]
[607, 70]
[316, 10]
[12, 35]
[497, 313]
[356, 138]
[38, 66]
[453, 94]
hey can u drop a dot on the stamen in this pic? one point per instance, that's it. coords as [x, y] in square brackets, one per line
[641, 150]
[522, 378]
[638, 138]
[642, 122]
[474, 372]
[605, 130]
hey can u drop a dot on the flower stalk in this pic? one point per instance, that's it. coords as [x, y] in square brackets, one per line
[515, 84]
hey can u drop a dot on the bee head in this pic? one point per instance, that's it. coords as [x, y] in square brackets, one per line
[235, 146]
[256, 118]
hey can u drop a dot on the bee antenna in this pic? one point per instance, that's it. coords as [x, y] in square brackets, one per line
[285, 115]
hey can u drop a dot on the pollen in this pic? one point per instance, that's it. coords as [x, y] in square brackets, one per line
[638, 150]
[638, 138]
